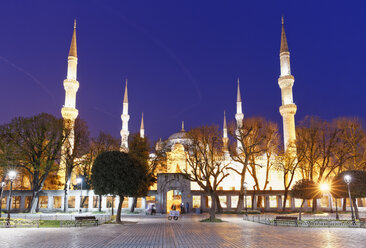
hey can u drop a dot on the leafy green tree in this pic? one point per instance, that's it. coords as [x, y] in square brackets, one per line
[139, 151]
[33, 144]
[116, 173]
[357, 187]
[305, 189]
[97, 145]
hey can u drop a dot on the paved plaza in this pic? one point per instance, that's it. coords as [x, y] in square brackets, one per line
[186, 232]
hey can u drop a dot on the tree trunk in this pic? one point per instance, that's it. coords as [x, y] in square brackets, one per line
[284, 200]
[213, 207]
[100, 203]
[354, 201]
[344, 205]
[218, 204]
[66, 194]
[315, 205]
[239, 207]
[112, 205]
[133, 206]
[34, 202]
[119, 210]
[66, 200]
[260, 202]
[302, 204]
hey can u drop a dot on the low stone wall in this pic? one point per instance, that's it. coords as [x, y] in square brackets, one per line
[53, 201]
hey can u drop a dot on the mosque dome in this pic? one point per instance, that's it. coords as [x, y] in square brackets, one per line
[179, 137]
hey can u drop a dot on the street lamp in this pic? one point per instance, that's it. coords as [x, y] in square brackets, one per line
[325, 188]
[79, 180]
[347, 179]
[11, 175]
[1, 195]
[245, 198]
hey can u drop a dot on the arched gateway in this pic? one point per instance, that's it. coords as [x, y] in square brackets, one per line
[173, 188]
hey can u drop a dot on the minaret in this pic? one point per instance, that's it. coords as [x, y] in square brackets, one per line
[69, 111]
[125, 117]
[239, 116]
[182, 130]
[225, 138]
[286, 81]
[142, 129]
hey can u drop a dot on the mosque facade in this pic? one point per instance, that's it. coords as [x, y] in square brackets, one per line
[170, 184]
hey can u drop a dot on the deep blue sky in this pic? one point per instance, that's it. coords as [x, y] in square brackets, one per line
[182, 59]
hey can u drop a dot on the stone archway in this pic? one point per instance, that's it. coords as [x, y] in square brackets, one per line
[172, 181]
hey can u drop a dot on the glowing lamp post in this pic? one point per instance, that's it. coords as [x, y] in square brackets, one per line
[325, 188]
[79, 180]
[11, 175]
[1, 195]
[347, 179]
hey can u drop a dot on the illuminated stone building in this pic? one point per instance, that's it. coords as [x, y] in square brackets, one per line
[172, 186]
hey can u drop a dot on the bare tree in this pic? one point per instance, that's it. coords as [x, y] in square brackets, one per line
[256, 137]
[266, 161]
[320, 140]
[74, 149]
[351, 152]
[206, 162]
[288, 162]
[35, 145]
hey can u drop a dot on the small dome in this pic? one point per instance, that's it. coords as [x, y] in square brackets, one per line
[179, 135]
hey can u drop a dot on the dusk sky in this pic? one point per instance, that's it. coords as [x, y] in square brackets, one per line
[182, 60]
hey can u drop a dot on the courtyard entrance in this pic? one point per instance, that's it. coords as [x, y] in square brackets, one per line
[173, 200]
[172, 189]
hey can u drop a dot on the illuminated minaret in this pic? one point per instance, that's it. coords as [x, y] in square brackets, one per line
[239, 116]
[125, 117]
[225, 138]
[142, 129]
[286, 81]
[71, 86]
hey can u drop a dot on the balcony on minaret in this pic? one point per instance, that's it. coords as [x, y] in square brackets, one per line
[69, 113]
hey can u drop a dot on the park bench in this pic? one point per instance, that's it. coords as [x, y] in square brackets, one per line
[80, 220]
[362, 222]
[285, 219]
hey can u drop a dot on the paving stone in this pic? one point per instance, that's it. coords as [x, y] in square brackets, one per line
[186, 232]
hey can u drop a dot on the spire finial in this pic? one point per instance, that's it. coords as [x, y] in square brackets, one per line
[284, 46]
[238, 98]
[142, 121]
[282, 20]
[73, 49]
[125, 99]
[225, 126]
[182, 127]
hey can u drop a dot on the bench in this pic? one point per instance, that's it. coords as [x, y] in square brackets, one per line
[290, 219]
[362, 222]
[79, 220]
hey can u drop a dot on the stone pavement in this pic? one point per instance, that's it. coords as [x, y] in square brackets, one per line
[186, 232]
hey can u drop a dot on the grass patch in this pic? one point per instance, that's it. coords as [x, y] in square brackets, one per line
[49, 223]
[211, 221]
[97, 212]
[242, 212]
